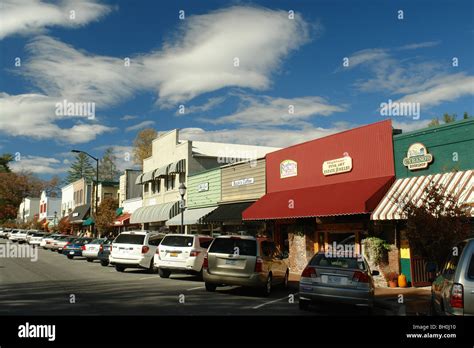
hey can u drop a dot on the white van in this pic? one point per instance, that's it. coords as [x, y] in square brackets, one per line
[134, 249]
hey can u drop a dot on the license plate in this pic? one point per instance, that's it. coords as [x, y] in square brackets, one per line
[230, 262]
[71, 253]
[91, 248]
[174, 254]
[334, 280]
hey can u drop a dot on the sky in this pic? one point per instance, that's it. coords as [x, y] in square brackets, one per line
[271, 73]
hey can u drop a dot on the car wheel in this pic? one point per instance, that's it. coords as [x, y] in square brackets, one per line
[152, 268]
[303, 304]
[210, 287]
[285, 281]
[267, 289]
[164, 273]
[90, 260]
[60, 251]
[119, 268]
[70, 257]
[104, 263]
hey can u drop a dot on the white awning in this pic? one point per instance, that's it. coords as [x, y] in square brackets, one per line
[138, 180]
[155, 213]
[160, 172]
[177, 167]
[148, 176]
[458, 184]
[191, 216]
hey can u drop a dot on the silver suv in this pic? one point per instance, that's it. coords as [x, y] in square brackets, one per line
[452, 292]
[245, 261]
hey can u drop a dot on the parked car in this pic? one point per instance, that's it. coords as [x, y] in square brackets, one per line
[35, 238]
[47, 241]
[58, 243]
[104, 252]
[91, 250]
[75, 247]
[452, 291]
[245, 261]
[337, 279]
[4, 232]
[30, 235]
[134, 249]
[13, 235]
[181, 253]
[20, 237]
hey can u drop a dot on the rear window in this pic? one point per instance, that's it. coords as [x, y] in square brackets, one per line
[337, 262]
[178, 241]
[205, 242]
[97, 241]
[130, 239]
[247, 247]
[470, 270]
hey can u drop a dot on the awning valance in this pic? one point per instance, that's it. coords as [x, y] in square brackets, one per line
[138, 180]
[160, 172]
[227, 213]
[458, 184]
[177, 167]
[352, 197]
[191, 216]
[155, 213]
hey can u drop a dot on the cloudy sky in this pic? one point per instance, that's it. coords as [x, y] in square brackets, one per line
[256, 72]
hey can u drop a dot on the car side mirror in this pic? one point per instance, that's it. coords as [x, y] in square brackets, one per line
[375, 273]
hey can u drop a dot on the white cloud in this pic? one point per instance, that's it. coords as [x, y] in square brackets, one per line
[140, 125]
[123, 155]
[199, 58]
[410, 126]
[33, 116]
[128, 117]
[33, 16]
[420, 45]
[269, 111]
[211, 103]
[39, 165]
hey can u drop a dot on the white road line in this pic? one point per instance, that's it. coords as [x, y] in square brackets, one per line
[196, 288]
[149, 277]
[266, 303]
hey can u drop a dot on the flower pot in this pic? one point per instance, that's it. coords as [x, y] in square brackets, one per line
[402, 281]
[392, 283]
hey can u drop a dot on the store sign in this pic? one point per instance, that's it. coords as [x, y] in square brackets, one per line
[204, 186]
[338, 165]
[417, 157]
[240, 182]
[288, 168]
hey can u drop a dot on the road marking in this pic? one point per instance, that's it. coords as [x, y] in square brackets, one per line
[196, 288]
[152, 277]
[270, 302]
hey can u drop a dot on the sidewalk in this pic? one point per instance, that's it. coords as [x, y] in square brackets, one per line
[414, 301]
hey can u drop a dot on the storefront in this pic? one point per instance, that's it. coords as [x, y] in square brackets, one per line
[322, 191]
[440, 156]
[241, 184]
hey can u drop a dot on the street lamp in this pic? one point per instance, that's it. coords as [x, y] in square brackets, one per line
[182, 192]
[96, 182]
[55, 221]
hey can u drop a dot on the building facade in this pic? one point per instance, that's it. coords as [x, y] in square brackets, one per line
[67, 200]
[29, 209]
[49, 209]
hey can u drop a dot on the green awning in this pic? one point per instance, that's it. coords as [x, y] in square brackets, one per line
[119, 211]
[88, 222]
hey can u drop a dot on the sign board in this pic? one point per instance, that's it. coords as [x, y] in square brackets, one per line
[288, 168]
[417, 157]
[240, 182]
[337, 166]
[204, 186]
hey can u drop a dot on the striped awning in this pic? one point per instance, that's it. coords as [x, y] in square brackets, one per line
[160, 172]
[138, 180]
[458, 184]
[148, 176]
[191, 216]
[155, 213]
[177, 167]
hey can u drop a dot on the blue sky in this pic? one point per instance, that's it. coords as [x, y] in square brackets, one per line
[283, 62]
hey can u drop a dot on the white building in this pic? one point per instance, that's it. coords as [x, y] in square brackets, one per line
[28, 209]
[67, 200]
[49, 207]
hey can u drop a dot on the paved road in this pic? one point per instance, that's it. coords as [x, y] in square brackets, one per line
[46, 287]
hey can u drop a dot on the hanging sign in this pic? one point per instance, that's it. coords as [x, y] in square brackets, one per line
[417, 157]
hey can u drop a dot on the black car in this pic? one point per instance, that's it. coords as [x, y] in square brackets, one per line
[104, 252]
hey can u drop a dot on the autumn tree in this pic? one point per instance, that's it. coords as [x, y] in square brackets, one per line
[447, 118]
[52, 187]
[106, 214]
[436, 225]
[4, 160]
[81, 168]
[108, 167]
[142, 144]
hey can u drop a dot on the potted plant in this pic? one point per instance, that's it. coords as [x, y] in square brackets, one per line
[392, 279]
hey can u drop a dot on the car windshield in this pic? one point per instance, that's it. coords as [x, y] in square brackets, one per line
[337, 262]
[130, 239]
[247, 247]
[178, 241]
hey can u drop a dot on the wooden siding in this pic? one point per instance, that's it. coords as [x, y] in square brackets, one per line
[204, 198]
[241, 171]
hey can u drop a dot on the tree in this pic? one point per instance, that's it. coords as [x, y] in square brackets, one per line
[107, 166]
[53, 186]
[142, 145]
[4, 160]
[106, 214]
[81, 168]
[447, 118]
[436, 225]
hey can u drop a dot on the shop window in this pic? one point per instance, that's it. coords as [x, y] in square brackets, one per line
[145, 187]
[170, 179]
[182, 178]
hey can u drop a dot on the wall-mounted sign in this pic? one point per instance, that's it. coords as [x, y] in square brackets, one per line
[204, 186]
[338, 165]
[417, 157]
[288, 168]
[240, 182]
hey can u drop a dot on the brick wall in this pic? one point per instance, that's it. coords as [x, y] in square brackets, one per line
[394, 259]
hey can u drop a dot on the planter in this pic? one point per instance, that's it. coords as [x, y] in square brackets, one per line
[393, 283]
[402, 281]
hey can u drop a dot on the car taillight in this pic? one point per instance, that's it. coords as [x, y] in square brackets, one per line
[145, 249]
[194, 253]
[308, 272]
[457, 294]
[83, 247]
[259, 265]
[205, 263]
[360, 277]
[101, 247]
[110, 248]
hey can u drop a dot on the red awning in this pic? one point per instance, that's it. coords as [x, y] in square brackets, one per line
[122, 219]
[354, 197]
